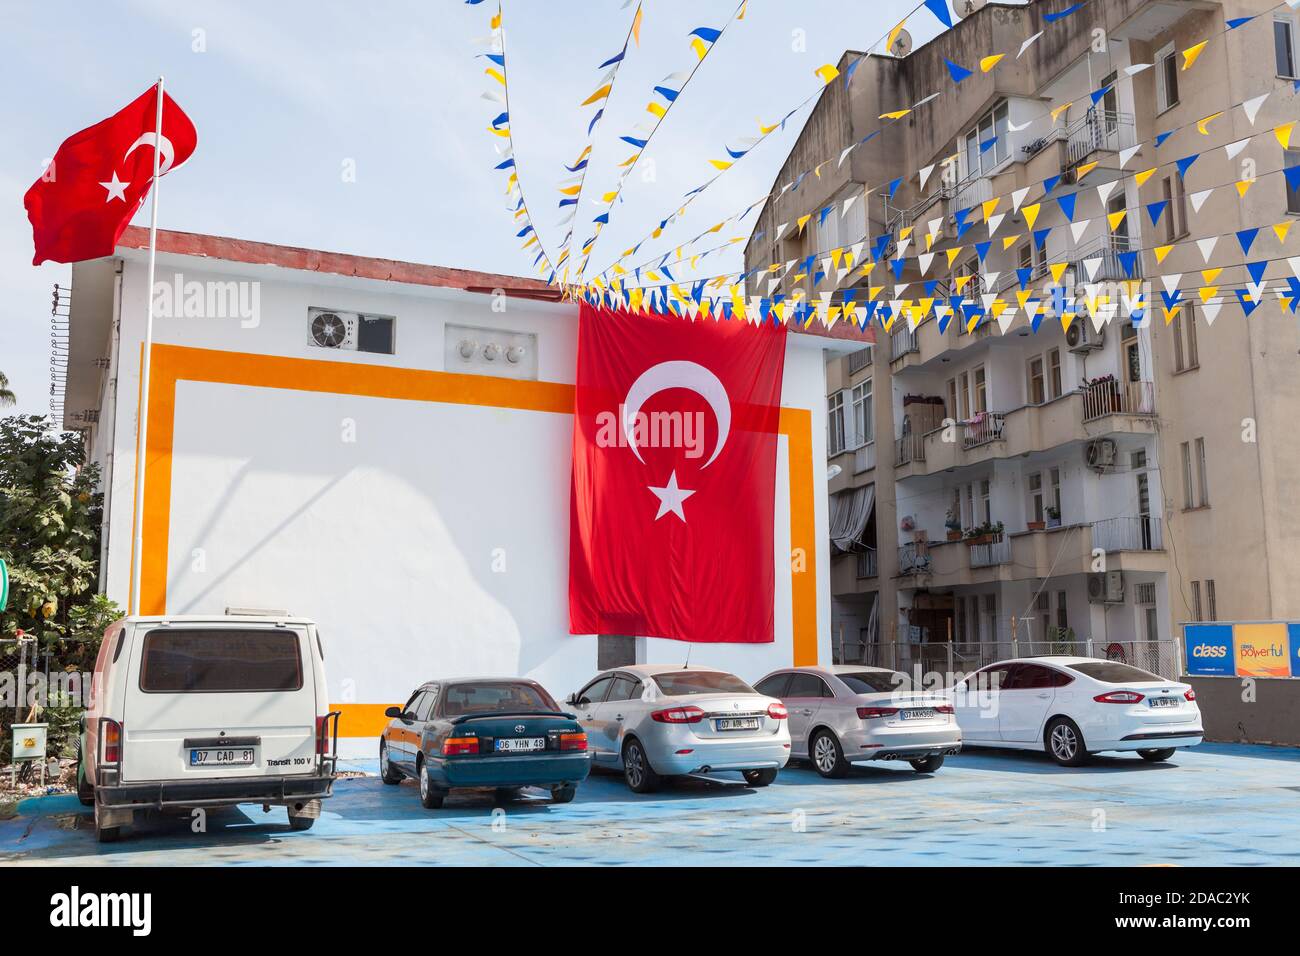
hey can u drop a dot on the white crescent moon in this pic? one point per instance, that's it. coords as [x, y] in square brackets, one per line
[689, 375]
[166, 152]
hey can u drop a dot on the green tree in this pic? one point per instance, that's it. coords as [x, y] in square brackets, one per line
[7, 397]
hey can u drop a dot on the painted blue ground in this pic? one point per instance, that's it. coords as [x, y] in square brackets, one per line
[1218, 804]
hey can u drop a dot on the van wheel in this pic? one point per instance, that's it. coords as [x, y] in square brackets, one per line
[85, 792]
[759, 778]
[386, 771]
[927, 764]
[107, 834]
[640, 776]
[563, 794]
[827, 755]
[1156, 756]
[299, 822]
[431, 797]
[1065, 743]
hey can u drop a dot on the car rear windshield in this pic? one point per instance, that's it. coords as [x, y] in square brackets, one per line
[495, 697]
[685, 683]
[1113, 672]
[873, 682]
[220, 660]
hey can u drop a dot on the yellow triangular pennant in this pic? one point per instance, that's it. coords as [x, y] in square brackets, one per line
[1191, 53]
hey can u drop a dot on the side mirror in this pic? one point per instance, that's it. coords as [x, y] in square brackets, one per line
[393, 712]
[572, 700]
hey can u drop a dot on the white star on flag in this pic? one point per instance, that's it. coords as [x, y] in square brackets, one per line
[671, 498]
[116, 189]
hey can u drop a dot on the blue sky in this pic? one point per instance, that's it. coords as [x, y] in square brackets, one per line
[284, 94]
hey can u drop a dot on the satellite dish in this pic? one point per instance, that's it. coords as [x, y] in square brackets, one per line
[902, 44]
[964, 8]
[833, 472]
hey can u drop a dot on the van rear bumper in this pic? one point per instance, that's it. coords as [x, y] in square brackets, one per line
[226, 791]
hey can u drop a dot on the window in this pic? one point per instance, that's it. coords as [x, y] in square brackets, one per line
[807, 685]
[1211, 606]
[1166, 78]
[496, 697]
[1291, 158]
[683, 683]
[1061, 618]
[1025, 256]
[1188, 496]
[963, 395]
[1054, 373]
[1284, 46]
[859, 360]
[952, 398]
[1196, 601]
[1113, 672]
[991, 616]
[1185, 354]
[625, 688]
[220, 661]
[595, 691]
[985, 507]
[773, 686]
[873, 682]
[863, 430]
[1036, 496]
[835, 424]
[1175, 217]
[424, 705]
[1055, 475]
[1201, 473]
[1037, 381]
[992, 124]
[980, 393]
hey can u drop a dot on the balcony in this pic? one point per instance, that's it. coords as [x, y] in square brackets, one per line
[1112, 397]
[1105, 408]
[864, 457]
[1139, 533]
[868, 564]
[914, 559]
[902, 342]
[991, 554]
[1107, 249]
[1098, 131]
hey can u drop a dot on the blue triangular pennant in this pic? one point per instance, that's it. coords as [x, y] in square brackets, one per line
[1129, 261]
[1067, 203]
[1185, 163]
[1248, 305]
[1156, 209]
[1161, 137]
[1256, 270]
[1024, 275]
[1247, 239]
[982, 248]
[958, 73]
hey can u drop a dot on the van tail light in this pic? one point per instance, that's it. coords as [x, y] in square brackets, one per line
[454, 746]
[871, 713]
[322, 736]
[777, 711]
[110, 741]
[1119, 697]
[1190, 695]
[573, 741]
[944, 709]
[678, 715]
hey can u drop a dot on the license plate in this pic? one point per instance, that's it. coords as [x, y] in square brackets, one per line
[222, 757]
[738, 723]
[519, 744]
[1163, 701]
[918, 713]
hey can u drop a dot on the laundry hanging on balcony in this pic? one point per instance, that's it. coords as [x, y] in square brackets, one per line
[850, 512]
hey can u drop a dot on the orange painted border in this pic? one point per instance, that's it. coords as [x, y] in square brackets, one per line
[175, 363]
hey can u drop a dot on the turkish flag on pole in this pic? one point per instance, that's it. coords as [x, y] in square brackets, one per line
[674, 477]
[100, 177]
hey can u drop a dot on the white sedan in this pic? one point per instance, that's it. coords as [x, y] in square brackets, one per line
[654, 721]
[1072, 707]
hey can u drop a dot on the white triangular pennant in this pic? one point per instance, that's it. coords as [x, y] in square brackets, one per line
[1105, 189]
[847, 205]
[1077, 229]
[1171, 281]
[925, 175]
[1136, 68]
[1126, 154]
[924, 259]
[1028, 43]
[1251, 107]
[1234, 149]
[1211, 310]
[1207, 247]
[1198, 199]
[1018, 197]
[995, 221]
[1092, 267]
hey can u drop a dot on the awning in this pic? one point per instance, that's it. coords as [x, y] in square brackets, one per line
[850, 512]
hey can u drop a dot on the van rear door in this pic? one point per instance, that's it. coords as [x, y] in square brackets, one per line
[216, 700]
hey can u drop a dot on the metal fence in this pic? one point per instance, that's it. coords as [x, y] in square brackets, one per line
[959, 658]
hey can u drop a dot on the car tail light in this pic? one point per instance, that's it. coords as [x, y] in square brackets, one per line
[322, 736]
[573, 741]
[678, 715]
[111, 741]
[944, 709]
[1119, 697]
[777, 711]
[453, 746]
[1190, 695]
[870, 713]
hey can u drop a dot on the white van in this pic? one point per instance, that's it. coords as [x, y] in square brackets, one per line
[195, 711]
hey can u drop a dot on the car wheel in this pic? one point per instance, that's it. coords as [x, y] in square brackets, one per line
[1065, 743]
[386, 771]
[927, 764]
[1156, 756]
[563, 794]
[430, 796]
[640, 776]
[760, 778]
[827, 755]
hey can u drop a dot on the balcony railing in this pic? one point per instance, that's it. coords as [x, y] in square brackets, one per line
[859, 360]
[868, 563]
[991, 554]
[910, 448]
[1098, 130]
[1113, 397]
[1136, 533]
[972, 191]
[914, 559]
[901, 342]
[1108, 249]
[864, 457]
[984, 428]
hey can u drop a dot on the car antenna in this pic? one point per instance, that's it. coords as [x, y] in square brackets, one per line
[687, 665]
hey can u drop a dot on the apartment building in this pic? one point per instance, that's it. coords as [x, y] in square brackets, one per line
[1058, 487]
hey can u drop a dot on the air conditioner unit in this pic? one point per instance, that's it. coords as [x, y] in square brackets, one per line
[328, 329]
[1100, 454]
[1082, 337]
[1106, 587]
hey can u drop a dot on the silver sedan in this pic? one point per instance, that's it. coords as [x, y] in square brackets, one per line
[654, 721]
[850, 714]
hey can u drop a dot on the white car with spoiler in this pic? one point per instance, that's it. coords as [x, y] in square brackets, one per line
[205, 712]
[654, 721]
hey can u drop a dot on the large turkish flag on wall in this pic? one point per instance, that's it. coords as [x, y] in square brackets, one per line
[674, 477]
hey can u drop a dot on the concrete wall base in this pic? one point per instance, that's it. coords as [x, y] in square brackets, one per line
[1268, 718]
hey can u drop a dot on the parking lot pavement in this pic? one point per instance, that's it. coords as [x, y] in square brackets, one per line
[1216, 805]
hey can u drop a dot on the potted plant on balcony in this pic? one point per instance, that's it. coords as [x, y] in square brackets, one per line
[986, 533]
[1035, 525]
[953, 525]
[1053, 516]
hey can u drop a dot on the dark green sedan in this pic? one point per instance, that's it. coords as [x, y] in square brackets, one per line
[490, 732]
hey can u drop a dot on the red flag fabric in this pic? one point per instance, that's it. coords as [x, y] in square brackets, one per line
[100, 177]
[674, 477]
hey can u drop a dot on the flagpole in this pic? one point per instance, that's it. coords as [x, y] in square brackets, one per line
[142, 445]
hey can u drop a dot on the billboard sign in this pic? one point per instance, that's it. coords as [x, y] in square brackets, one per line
[1243, 649]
